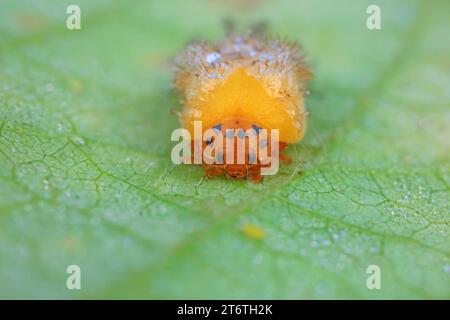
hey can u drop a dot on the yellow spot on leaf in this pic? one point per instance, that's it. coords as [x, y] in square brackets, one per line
[254, 232]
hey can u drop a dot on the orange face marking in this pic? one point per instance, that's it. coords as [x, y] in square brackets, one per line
[243, 96]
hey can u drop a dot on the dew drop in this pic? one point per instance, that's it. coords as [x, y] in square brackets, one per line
[264, 57]
[78, 140]
[212, 58]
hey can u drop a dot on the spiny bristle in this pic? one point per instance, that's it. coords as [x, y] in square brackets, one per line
[270, 59]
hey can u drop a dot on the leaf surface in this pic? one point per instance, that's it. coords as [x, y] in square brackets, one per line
[86, 176]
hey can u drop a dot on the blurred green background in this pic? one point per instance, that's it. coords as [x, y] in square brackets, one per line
[86, 176]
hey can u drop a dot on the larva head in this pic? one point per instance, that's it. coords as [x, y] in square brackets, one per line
[239, 135]
[240, 148]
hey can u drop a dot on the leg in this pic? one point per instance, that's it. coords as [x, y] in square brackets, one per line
[254, 174]
[211, 171]
[285, 159]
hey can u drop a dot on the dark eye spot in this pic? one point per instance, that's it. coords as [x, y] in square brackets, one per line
[256, 128]
[218, 127]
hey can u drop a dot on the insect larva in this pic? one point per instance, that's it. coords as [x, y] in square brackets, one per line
[243, 82]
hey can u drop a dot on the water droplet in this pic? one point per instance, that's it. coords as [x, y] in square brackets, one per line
[252, 52]
[212, 58]
[264, 57]
[213, 75]
[78, 140]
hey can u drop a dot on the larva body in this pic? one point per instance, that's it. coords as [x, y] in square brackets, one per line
[243, 82]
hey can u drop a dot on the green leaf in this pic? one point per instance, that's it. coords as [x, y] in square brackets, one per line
[86, 177]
